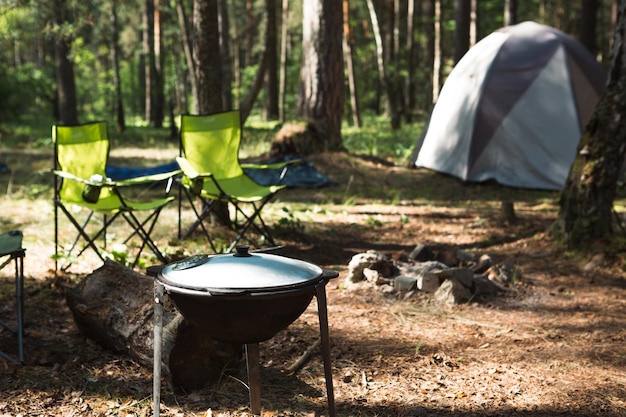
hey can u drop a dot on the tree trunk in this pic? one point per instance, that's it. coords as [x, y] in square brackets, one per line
[282, 84]
[207, 57]
[320, 100]
[462, 29]
[437, 50]
[227, 65]
[66, 84]
[149, 65]
[588, 24]
[395, 95]
[250, 33]
[586, 204]
[208, 66]
[158, 99]
[386, 59]
[428, 10]
[120, 121]
[510, 12]
[271, 74]
[347, 56]
[474, 24]
[380, 64]
[184, 33]
[114, 306]
[248, 102]
[410, 63]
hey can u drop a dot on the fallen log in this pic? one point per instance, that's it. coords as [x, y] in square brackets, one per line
[114, 306]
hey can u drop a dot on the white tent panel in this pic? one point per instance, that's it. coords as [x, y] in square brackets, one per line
[513, 108]
[446, 147]
[528, 148]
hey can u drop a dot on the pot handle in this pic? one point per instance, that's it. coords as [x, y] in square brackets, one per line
[329, 273]
[154, 270]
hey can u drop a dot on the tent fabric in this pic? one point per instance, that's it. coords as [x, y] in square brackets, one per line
[513, 109]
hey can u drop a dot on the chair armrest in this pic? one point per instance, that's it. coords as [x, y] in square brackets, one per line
[274, 165]
[146, 179]
[106, 182]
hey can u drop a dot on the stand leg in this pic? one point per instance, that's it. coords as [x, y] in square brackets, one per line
[254, 377]
[322, 312]
[19, 289]
[158, 334]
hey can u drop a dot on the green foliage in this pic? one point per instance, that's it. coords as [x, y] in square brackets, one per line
[289, 223]
[375, 138]
[25, 91]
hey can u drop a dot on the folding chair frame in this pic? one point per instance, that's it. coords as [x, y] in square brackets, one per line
[206, 210]
[142, 229]
[16, 254]
[202, 200]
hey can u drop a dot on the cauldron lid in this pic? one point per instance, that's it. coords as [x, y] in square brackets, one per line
[240, 272]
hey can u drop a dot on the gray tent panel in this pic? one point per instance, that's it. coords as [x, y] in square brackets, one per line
[513, 109]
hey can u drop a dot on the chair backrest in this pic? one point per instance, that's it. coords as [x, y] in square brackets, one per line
[211, 143]
[83, 151]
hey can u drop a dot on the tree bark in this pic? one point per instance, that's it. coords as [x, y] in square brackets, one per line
[320, 100]
[207, 58]
[436, 49]
[462, 28]
[149, 61]
[120, 121]
[227, 65]
[114, 306]
[586, 203]
[282, 84]
[158, 96]
[410, 63]
[510, 12]
[271, 74]
[588, 24]
[347, 54]
[67, 104]
[184, 33]
[208, 66]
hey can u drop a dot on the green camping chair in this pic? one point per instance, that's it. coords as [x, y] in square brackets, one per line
[209, 146]
[81, 154]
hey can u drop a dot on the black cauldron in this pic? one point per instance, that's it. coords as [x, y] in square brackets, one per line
[243, 298]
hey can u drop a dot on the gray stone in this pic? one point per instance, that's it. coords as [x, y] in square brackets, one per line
[361, 261]
[405, 283]
[428, 282]
[464, 275]
[453, 292]
[484, 263]
[485, 288]
[421, 253]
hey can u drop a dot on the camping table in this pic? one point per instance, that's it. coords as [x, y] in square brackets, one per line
[11, 246]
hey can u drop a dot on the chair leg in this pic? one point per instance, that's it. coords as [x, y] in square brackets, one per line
[89, 241]
[18, 258]
[200, 217]
[249, 222]
[19, 290]
[144, 235]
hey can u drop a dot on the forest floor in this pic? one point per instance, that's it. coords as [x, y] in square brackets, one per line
[554, 343]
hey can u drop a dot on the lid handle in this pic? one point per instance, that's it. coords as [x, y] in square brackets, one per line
[242, 251]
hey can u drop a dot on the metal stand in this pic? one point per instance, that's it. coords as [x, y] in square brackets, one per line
[11, 246]
[252, 354]
[158, 340]
[254, 372]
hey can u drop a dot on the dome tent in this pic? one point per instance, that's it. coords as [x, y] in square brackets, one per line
[513, 109]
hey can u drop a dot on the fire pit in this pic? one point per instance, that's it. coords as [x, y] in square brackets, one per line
[243, 298]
